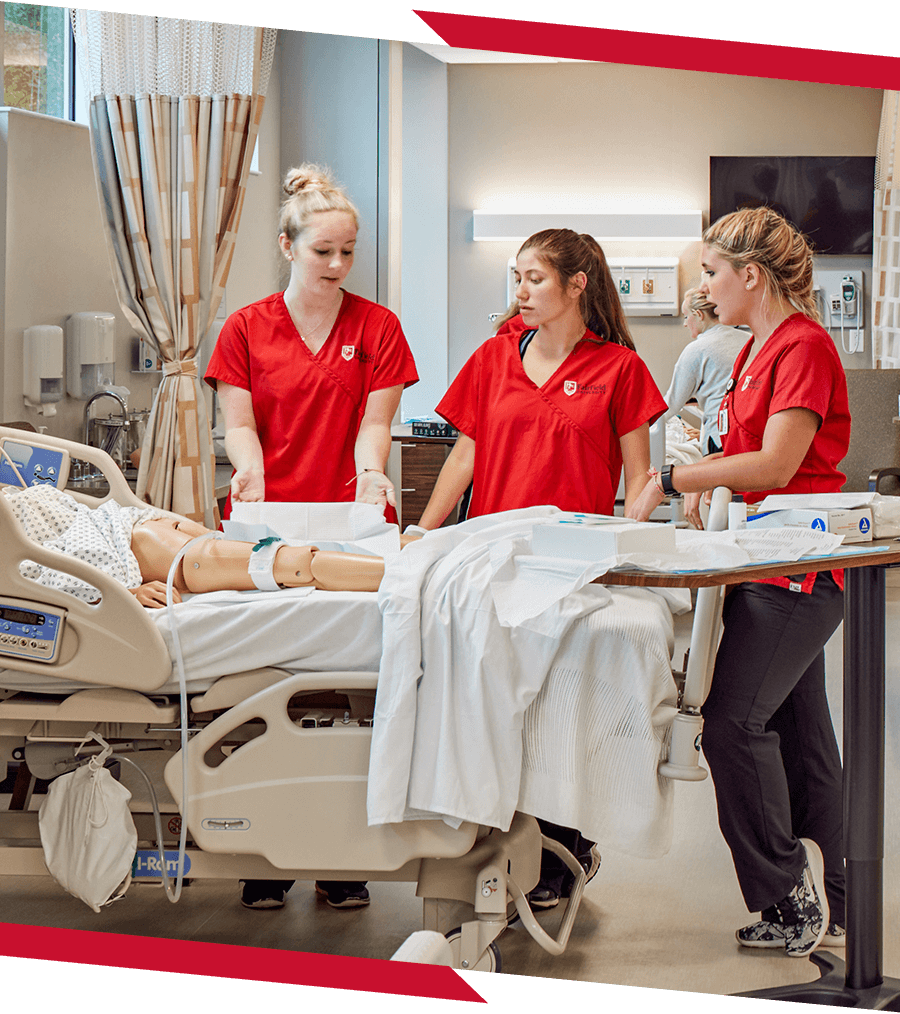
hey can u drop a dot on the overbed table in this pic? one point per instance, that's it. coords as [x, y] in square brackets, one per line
[858, 981]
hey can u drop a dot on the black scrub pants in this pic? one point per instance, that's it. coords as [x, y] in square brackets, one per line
[769, 741]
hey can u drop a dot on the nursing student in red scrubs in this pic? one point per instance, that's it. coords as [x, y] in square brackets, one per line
[549, 411]
[767, 733]
[309, 380]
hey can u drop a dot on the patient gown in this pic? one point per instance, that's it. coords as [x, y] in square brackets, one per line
[100, 536]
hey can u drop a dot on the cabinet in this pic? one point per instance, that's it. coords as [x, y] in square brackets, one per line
[421, 459]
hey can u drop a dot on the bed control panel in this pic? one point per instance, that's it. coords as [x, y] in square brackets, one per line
[33, 466]
[30, 630]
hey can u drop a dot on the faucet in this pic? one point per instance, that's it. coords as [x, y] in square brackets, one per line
[114, 436]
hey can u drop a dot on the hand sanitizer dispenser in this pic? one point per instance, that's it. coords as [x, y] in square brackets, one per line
[90, 353]
[42, 361]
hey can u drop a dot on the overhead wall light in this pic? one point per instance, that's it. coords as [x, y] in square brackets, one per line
[684, 226]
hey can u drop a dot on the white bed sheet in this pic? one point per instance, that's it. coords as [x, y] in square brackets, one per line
[591, 739]
[224, 632]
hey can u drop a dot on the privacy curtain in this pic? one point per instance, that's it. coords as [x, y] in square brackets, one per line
[886, 252]
[174, 113]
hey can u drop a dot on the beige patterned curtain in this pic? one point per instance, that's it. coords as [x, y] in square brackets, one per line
[886, 253]
[174, 111]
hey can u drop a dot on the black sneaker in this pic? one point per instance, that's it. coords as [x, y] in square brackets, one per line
[542, 896]
[261, 894]
[804, 912]
[343, 893]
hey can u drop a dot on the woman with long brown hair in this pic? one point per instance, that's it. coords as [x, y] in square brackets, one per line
[549, 411]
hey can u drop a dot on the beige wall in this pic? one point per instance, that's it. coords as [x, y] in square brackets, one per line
[593, 135]
[533, 133]
[54, 256]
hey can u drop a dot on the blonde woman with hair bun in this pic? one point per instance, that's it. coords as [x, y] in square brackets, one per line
[767, 730]
[309, 380]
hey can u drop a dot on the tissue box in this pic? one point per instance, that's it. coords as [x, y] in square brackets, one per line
[595, 538]
[854, 525]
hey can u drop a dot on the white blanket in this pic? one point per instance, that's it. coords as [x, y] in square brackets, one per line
[473, 625]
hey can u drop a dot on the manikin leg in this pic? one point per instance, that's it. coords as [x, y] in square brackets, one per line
[220, 563]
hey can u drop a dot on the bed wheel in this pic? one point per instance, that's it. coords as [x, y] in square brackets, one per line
[488, 962]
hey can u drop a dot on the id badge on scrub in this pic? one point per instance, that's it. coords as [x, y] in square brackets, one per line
[723, 421]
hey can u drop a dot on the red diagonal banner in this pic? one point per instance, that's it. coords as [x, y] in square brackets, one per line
[643, 49]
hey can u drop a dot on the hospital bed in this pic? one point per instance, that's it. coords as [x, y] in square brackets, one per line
[280, 697]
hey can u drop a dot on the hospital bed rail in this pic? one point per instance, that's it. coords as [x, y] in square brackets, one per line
[683, 761]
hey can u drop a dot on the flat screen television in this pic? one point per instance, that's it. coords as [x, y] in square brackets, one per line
[829, 198]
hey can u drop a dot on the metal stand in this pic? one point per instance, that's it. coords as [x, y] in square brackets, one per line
[859, 982]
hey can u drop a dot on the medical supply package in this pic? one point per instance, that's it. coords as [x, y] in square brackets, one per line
[855, 525]
[597, 536]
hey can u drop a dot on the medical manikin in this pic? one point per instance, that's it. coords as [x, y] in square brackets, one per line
[137, 546]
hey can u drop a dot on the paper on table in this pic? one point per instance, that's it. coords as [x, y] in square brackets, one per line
[812, 501]
[727, 550]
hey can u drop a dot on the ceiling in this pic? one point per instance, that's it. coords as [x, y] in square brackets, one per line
[446, 54]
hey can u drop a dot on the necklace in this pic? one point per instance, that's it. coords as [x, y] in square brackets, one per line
[308, 333]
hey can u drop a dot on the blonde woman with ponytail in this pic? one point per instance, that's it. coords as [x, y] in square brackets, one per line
[767, 735]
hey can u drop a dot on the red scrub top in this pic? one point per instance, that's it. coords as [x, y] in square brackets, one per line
[308, 408]
[557, 444]
[798, 367]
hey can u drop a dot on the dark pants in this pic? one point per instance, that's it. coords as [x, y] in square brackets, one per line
[769, 741]
[554, 872]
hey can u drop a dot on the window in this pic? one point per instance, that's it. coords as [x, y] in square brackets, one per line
[37, 59]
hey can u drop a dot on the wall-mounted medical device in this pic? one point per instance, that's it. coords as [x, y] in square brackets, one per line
[42, 367]
[647, 286]
[90, 353]
[841, 304]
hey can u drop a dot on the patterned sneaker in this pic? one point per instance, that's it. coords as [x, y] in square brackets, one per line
[804, 912]
[768, 932]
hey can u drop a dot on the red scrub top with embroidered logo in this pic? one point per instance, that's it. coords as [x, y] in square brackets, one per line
[556, 444]
[308, 408]
[797, 367]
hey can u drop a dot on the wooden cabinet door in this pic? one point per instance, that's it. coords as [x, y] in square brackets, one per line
[420, 463]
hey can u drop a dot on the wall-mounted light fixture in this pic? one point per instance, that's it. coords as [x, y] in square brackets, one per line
[683, 226]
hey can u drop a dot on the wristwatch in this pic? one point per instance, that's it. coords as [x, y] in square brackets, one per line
[665, 478]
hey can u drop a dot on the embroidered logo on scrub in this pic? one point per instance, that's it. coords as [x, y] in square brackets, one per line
[754, 385]
[351, 351]
[571, 386]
